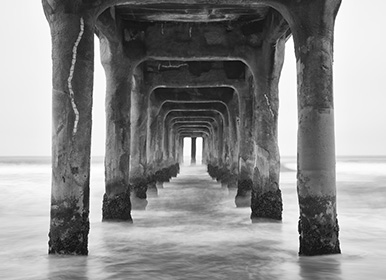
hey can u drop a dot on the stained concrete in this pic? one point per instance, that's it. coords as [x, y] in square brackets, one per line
[191, 69]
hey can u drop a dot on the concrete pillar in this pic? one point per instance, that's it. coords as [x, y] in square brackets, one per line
[266, 196]
[119, 71]
[313, 31]
[231, 162]
[204, 156]
[246, 147]
[153, 139]
[157, 156]
[138, 180]
[172, 144]
[176, 146]
[193, 150]
[219, 145]
[73, 67]
[180, 149]
[166, 141]
[215, 149]
[223, 157]
[158, 133]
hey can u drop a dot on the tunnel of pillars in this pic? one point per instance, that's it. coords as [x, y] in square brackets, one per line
[196, 69]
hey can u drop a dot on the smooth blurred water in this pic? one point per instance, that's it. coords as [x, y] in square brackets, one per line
[192, 230]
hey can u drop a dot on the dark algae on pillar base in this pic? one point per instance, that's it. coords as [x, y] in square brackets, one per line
[69, 228]
[318, 226]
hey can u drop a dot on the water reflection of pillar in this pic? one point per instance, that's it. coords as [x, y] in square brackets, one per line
[193, 151]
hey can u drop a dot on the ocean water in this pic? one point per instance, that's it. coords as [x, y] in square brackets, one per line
[192, 230]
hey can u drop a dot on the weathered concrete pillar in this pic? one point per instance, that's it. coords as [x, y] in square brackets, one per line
[193, 151]
[204, 156]
[224, 156]
[233, 147]
[157, 158]
[246, 147]
[73, 66]
[172, 144]
[138, 180]
[167, 139]
[180, 149]
[154, 147]
[153, 140]
[215, 143]
[218, 147]
[119, 70]
[166, 142]
[313, 28]
[266, 196]
[214, 149]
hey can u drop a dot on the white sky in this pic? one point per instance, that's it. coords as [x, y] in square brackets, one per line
[359, 83]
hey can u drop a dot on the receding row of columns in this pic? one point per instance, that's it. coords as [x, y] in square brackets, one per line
[239, 146]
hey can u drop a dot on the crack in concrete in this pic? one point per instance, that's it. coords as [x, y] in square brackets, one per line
[171, 66]
[269, 105]
[71, 75]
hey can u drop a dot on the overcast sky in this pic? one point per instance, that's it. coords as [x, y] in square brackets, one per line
[359, 83]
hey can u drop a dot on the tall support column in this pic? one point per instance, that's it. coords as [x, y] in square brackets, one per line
[215, 149]
[73, 67]
[193, 150]
[171, 145]
[151, 148]
[166, 142]
[232, 160]
[246, 147]
[313, 29]
[119, 71]
[180, 149]
[266, 196]
[175, 150]
[204, 155]
[219, 144]
[154, 153]
[138, 180]
[155, 142]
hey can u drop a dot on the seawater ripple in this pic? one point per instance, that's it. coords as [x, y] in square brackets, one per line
[192, 230]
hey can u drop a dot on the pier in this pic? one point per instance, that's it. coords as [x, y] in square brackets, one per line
[189, 69]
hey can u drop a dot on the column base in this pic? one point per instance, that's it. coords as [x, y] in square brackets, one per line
[138, 203]
[69, 229]
[232, 184]
[243, 201]
[152, 190]
[213, 171]
[267, 205]
[224, 175]
[244, 192]
[174, 170]
[318, 226]
[138, 196]
[117, 208]
[162, 175]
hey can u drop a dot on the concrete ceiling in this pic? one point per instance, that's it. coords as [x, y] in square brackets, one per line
[189, 13]
[213, 23]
